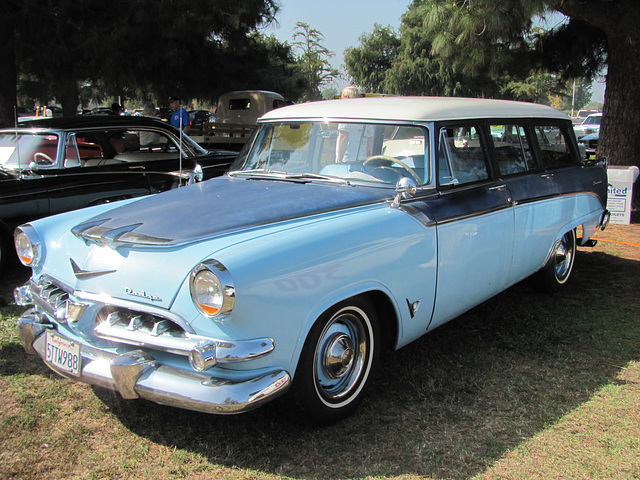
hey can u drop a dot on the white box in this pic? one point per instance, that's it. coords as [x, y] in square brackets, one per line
[620, 192]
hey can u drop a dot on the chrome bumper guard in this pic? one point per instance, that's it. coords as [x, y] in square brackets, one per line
[136, 374]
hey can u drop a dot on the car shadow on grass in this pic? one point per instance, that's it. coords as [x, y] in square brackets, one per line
[447, 405]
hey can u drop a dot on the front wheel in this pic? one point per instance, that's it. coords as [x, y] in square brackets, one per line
[338, 361]
[555, 274]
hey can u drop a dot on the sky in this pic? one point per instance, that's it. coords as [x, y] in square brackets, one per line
[340, 21]
[343, 21]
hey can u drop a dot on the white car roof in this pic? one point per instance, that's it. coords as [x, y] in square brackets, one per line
[411, 109]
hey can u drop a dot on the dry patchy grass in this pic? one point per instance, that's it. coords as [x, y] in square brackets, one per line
[523, 386]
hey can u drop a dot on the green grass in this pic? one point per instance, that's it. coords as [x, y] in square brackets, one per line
[524, 386]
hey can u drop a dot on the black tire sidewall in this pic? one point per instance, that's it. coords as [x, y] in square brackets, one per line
[307, 397]
[548, 280]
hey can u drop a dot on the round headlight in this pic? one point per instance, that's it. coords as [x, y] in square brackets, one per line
[212, 289]
[28, 245]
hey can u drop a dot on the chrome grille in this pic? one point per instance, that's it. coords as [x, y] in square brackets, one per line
[132, 321]
[49, 296]
[143, 329]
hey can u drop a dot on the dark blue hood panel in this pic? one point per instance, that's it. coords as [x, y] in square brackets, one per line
[220, 205]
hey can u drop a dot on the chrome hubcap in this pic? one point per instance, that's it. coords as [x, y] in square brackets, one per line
[343, 356]
[564, 257]
[338, 356]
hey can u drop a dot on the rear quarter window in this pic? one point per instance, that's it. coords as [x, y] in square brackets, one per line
[555, 146]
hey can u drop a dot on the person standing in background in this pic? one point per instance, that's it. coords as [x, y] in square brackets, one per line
[180, 116]
[349, 135]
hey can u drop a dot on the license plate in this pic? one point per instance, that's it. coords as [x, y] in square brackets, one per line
[62, 353]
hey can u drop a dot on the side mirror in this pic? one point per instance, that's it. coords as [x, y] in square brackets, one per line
[405, 188]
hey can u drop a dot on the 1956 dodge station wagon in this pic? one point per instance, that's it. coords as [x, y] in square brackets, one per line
[343, 227]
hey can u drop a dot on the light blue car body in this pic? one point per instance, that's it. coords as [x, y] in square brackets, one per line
[294, 250]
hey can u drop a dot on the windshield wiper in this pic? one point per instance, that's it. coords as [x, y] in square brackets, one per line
[265, 173]
[257, 171]
[316, 176]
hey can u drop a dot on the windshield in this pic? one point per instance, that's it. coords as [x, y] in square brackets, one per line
[376, 153]
[17, 152]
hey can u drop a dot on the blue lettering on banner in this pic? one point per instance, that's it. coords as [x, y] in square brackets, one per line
[617, 192]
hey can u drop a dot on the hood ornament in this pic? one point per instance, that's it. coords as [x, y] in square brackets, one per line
[113, 237]
[84, 274]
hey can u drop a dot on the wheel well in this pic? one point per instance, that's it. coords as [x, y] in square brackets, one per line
[387, 317]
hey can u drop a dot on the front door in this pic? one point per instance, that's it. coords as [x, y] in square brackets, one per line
[475, 225]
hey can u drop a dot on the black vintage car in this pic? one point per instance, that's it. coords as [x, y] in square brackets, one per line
[54, 165]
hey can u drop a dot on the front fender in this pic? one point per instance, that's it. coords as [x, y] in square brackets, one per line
[286, 279]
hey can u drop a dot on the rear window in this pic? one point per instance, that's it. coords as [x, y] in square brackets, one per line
[239, 104]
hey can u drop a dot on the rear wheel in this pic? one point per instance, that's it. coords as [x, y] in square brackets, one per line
[338, 360]
[555, 274]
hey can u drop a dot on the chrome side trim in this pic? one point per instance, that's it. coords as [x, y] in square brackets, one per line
[478, 213]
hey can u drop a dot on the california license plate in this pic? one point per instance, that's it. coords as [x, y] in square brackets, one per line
[63, 353]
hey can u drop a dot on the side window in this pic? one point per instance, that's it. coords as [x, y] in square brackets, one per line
[555, 150]
[512, 149]
[154, 141]
[461, 158]
[143, 146]
[89, 148]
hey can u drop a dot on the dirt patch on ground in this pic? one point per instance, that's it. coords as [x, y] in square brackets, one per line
[625, 239]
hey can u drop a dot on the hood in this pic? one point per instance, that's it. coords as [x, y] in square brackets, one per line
[217, 206]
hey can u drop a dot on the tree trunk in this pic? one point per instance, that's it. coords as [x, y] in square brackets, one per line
[8, 69]
[67, 94]
[619, 19]
[619, 137]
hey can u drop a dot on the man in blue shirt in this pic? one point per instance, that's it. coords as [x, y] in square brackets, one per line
[179, 117]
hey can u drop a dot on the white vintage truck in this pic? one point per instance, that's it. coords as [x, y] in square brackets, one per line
[238, 113]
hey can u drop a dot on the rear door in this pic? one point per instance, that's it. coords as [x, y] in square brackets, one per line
[474, 220]
[533, 190]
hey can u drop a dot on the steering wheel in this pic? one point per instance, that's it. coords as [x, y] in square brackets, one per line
[391, 161]
[42, 159]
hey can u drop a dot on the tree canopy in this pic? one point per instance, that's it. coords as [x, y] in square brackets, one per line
[200, 48]
[497, 49]
[368, 64]
[146, 48]
[313, 60]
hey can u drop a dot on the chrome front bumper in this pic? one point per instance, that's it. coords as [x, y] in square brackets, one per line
[137, 374]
